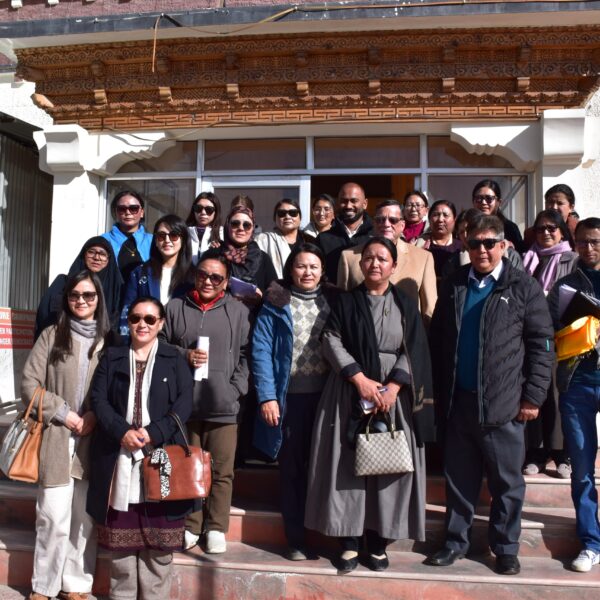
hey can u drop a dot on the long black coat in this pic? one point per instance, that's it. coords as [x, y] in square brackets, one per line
[170, 390]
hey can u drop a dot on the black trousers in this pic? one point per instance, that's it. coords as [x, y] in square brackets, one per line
[470, 451]
[293, 458]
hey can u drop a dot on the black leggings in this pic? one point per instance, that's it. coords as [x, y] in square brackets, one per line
[375, 543]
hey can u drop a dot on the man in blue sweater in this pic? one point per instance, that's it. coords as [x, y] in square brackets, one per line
[492, 352]
[578, 381]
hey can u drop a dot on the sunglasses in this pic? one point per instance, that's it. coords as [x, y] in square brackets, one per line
[161, 236]
[488, 243]
[134, 209]
[87, 296]
[482, 199]
[245, 225]
[542, 228]
[99, 254]
[214, 278]
[380, 220]
[198, 208]
[282, 212]
[148, 319]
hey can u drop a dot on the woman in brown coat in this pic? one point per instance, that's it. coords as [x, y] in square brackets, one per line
[63, 361]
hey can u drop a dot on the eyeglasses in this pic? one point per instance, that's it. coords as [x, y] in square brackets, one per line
[542, 228]
[134, 319]
[484, 199]
[199, 208]
[282, 213]
[414, 206]
[87, 296]
[214, 278]
[381, 220]
[245, 225]
[161, 236]
[134, 209]
[98, 254]
[488, 243]
[586, 243]
[321, 209]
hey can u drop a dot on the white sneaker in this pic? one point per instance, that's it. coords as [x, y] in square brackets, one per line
[585, 561]
[189, 539]
[215, 542]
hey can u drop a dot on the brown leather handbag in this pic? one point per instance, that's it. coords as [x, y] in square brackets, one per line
[177, 472]
[26, 464]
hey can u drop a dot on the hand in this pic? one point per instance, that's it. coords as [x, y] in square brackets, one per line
[133, 440]
[269, 411]
[388, 398]
[367, 388]
[74, 422]
[143, 433]
[197, 358]
[528, 411]
[88, 423]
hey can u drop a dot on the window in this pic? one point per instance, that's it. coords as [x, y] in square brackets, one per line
[254, 155]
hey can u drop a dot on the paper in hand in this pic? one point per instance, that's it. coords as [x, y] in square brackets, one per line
[201, 372]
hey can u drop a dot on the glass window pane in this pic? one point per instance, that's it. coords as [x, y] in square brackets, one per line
[264, 199]
[161, 196]
[181, 157]
[442, 152]
[458, 189]
[249, 155]
[367, 153]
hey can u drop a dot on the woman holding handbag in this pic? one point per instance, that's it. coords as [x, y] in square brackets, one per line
[63, 361]
[133, 392]
[376, 344]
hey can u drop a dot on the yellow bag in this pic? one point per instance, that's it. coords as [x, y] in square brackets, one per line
[577, 338]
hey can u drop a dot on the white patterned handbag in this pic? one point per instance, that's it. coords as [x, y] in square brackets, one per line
[382, 453]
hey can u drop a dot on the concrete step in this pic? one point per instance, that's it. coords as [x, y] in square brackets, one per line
[252, 571]
[546, 532]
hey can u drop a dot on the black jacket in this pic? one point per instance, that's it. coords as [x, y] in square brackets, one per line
[335, 240]
[516, 351]
[170, 390]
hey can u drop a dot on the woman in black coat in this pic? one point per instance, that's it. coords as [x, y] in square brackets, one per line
[134, 390]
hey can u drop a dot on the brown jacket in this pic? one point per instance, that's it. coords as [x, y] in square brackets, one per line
[414, 274]
[60, 381]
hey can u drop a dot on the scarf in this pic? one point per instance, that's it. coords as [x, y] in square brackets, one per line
[86, 329]
[194, 296]
[531, 260]
[413, 230]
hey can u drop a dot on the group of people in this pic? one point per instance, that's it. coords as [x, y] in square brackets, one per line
[417, 318]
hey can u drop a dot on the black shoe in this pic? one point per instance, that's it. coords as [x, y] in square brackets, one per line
[377, 564]
[345, 565]
[507, 564]
[444, 557]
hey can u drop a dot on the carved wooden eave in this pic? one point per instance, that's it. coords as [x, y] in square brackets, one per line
[376, 76]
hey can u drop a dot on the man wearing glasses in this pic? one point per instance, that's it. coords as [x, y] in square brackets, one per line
[351, 227]
[414, 274]
[578, 381]
[492, 352]
[129, 239]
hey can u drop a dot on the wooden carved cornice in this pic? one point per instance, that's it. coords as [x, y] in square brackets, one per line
[374, 76]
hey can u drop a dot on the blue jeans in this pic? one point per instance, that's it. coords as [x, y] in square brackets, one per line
[578, 408]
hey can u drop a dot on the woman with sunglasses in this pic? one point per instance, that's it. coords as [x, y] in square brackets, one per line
[322, 213]
[549, 258]
[209, 312]
[290, 372]
[204, 224]
[97, 256]
[135, 392]
[249, 264]
[129, 239]
[281, 241]
[63, 361]
[166, 274]
[487, 199]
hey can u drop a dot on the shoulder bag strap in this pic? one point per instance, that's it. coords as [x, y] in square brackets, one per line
[182, 430]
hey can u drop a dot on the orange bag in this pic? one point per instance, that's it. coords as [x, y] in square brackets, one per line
[577, 338]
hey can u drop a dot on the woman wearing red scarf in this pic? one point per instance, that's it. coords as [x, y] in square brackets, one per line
[209, 312]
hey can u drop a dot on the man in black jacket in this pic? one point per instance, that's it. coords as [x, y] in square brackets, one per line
[351, 227]
[492, 354]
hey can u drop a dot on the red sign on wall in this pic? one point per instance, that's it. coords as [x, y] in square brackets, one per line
[16, 329]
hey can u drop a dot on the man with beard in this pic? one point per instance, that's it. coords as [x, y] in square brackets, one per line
[351, 227]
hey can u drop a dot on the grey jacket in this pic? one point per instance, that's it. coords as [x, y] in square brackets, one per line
[227, 325]
[60, 381]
